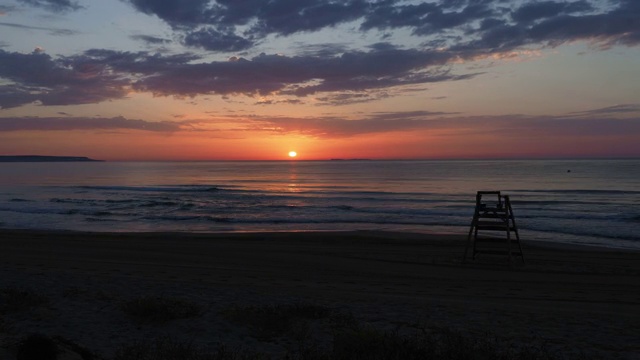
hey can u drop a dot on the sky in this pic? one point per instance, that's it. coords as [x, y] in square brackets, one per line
[379, 79]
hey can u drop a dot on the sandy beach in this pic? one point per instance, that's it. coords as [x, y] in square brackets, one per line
[571, 299]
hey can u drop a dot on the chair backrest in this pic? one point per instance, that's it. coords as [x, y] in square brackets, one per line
[480, 205]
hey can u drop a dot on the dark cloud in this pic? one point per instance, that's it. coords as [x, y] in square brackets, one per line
[54, 5]
[597, 126]
[552, 23]
[99, 75]
[340, 99]
[505, 126]
[321, 50]
[546, 9]
[425, 18]
[14, 96]
[273, 74]
[375, 69]
[416, 115]
[490, 23]
[4, 9]
[286, 17]
[335, 127]
[52, 31]
[213, 40]
[268, 17]
[126, 64]
[212, 25]
[272, 102]
[38, 77]
[187, 13]
[487, 25]
[78, 123]
[339, 127]
[151, 40]
[612, 110]
[388, 15]
[453, 30]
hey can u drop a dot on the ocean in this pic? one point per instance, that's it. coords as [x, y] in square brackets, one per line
[593, 202]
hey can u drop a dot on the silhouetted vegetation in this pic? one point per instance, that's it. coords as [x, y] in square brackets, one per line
[159, 310]
[165, 348]
[42, 347]
[369, 343]
[13, 299]
[37, 347]
[269, 321]
[365, 343]
[314, 332]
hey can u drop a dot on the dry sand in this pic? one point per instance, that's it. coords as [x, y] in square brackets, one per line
[574, 299]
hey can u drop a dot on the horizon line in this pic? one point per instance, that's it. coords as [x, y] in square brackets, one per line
[381, 159]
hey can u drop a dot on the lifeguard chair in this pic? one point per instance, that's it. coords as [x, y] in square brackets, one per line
[493, 227]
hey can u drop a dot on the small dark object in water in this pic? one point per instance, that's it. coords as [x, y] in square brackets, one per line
[568, 170]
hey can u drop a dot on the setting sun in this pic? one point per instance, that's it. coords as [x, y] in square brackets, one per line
[292, 154]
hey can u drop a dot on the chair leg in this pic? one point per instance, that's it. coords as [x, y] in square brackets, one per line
[466, 249]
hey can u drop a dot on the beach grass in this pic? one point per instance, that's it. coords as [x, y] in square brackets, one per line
[156, 310]
[363, 343]
[15, 299]
[167, 348]
[270, 321]
[443, 343]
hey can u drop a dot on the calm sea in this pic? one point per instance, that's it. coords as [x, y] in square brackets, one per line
[576, 201]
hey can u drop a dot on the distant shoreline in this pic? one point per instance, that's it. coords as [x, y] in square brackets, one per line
[42, 158]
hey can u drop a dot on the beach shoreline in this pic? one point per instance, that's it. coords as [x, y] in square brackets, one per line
[457, 234]
[577, 298]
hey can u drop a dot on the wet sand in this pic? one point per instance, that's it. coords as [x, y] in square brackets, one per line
[572, 298]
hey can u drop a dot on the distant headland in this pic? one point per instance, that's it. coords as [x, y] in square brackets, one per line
[42, 158]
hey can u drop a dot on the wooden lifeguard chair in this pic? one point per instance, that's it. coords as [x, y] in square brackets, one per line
[493, 228]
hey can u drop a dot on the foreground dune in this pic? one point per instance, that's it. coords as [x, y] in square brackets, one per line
[576, 300]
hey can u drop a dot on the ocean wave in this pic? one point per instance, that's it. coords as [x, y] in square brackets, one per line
[342, 207]
[141, 203]
[85, 212]
[176, 188]
[187, 218]
[118, 201]
[572, 216]
[43, 211]
[153, 203]
[350, 198]
[538, 203]
[71, 201]
[379, 221]
[578, 191]
[323, 210]
[100, 213]
[581, 232]
[92, 219]
[69, 212]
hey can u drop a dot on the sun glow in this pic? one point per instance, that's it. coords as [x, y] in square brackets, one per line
[292, 154]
